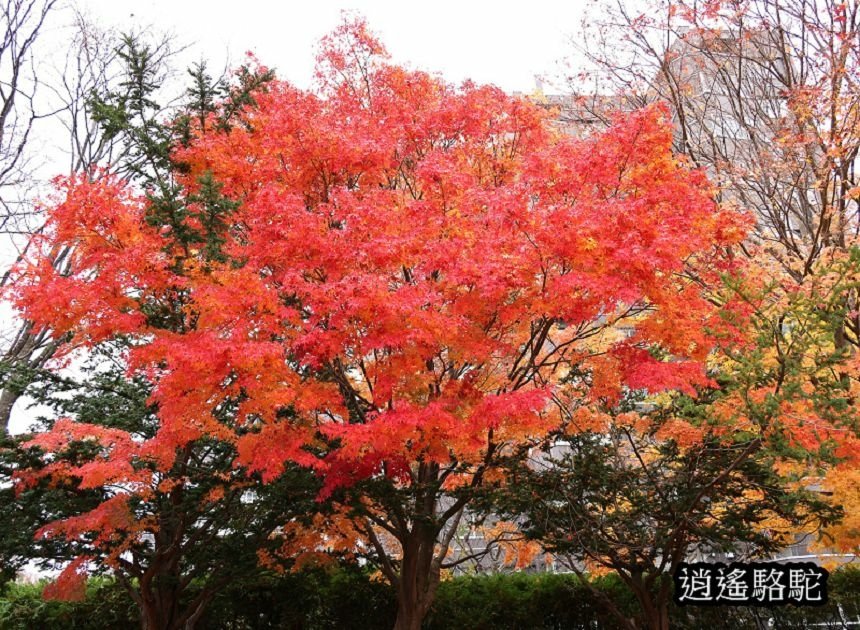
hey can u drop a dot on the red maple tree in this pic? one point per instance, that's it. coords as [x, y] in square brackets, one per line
[411, 280]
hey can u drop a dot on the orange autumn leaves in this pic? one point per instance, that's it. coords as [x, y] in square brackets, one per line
[415, 272]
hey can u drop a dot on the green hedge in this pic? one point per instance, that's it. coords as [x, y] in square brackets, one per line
[106, 606]
[524, 600]
[348, 599]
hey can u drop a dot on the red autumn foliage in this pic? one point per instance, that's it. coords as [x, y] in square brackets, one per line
[71, 584]
[413, 277]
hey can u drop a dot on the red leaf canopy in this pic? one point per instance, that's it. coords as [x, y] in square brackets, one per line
[416, 269]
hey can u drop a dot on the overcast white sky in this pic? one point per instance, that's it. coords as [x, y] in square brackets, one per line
[505, 43]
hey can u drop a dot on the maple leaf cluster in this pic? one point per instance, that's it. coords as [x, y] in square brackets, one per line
[386, 274]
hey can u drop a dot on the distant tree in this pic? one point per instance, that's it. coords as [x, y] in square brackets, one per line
[761, 94]
[764, 97]
[21, 23]
[633, 500]
[738, 468]
[98, 63]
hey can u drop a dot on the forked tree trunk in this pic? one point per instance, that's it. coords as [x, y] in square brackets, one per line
[164, 613]
[161, 607]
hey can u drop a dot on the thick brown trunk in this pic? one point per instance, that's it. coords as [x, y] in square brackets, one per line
[655, 608]
[419, 577]
[150, 616]
[159, 611]
[660, 620]
[410, 614]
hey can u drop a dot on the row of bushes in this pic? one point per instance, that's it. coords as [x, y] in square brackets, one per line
[349, 599]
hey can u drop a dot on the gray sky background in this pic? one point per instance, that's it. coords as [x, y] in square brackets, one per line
[504, 43]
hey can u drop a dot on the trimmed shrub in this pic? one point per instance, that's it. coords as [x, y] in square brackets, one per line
[348, 599]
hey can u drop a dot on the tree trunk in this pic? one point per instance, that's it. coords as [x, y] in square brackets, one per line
[656, 614]
[655, 608]
[418, 580]
[8, 397]
[29, 351]
[411, 611]
[151, 616]
[159, 609]
[661, 617]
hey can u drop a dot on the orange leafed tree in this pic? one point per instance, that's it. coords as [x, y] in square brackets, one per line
[409, 280]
